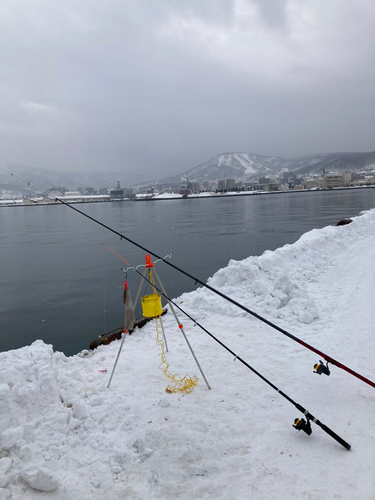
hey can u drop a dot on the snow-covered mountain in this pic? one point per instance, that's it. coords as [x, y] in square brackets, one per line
[249, 166]
[234, 165]
[355, 162]
[239, 166]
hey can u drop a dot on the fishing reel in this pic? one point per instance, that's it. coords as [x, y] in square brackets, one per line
[302, 425]
[320, 368]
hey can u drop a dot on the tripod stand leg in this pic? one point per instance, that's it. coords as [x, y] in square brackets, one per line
[164, 337]
[118, 355]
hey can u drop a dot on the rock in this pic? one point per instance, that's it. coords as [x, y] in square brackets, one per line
[343, 222]
[39, 478]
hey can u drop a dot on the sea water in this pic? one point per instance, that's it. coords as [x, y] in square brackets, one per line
[60, 283]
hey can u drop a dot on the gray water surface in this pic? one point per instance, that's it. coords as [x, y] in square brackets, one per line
[59, 283]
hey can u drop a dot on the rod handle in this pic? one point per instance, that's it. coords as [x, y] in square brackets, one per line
[335, 436]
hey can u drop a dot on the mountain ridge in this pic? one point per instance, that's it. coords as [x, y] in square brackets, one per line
[250, 166]
[246, 167]
[48, 179]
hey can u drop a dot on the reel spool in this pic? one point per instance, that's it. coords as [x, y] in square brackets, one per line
[302, 425]
[320, 368]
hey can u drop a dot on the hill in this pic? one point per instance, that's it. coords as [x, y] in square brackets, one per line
[249, 166]
[47, 179]
[240, 166]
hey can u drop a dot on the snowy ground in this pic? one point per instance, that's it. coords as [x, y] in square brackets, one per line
[65, 436]
[203, 194]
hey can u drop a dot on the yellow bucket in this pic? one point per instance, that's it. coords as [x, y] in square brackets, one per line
[151, 305]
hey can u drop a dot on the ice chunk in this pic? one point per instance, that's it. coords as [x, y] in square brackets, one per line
[39, 478]
[4, 391]
[10, 436]
[5, 464]
[4, 494]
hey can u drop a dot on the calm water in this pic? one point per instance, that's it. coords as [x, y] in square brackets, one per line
[59, 283]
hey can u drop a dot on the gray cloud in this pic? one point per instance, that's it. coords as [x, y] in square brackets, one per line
[273, 12]
[161, 87]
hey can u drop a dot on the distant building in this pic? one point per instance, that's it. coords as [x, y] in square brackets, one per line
[117, 193]
[330, 181]
[271, 187]
[288, 177]
[47, 199]
[310, 183]
[226, 184]
[346, 177]
[230, 184]
[27, 201]
[221, 185]
[128, 193]
[264, 180]
[196, 187]
[76, 197]
[73, 193]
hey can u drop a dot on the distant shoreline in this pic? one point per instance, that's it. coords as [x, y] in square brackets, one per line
[3, 203]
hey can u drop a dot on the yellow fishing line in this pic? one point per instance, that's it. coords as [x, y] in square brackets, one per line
[185, 384]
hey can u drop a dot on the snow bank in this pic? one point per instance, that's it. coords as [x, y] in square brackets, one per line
[274, 284]
[63, 435]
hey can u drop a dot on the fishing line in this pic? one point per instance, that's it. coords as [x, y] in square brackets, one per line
[299, 424]
[327, 358]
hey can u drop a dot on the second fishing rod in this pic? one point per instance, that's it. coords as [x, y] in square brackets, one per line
[299, 423]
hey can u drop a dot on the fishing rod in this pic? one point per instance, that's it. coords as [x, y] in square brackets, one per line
[299, 423]
[319, 368]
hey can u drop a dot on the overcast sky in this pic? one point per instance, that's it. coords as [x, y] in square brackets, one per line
[162, 86]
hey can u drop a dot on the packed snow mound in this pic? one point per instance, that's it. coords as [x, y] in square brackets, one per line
[45, 398]
[274, 284]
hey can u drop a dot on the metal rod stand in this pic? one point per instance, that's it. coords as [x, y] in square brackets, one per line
[117, 358]
[164, 337]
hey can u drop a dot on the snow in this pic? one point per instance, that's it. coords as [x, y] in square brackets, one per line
[64, 435]
[166, 196]
[246, 162]
[205, 194]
